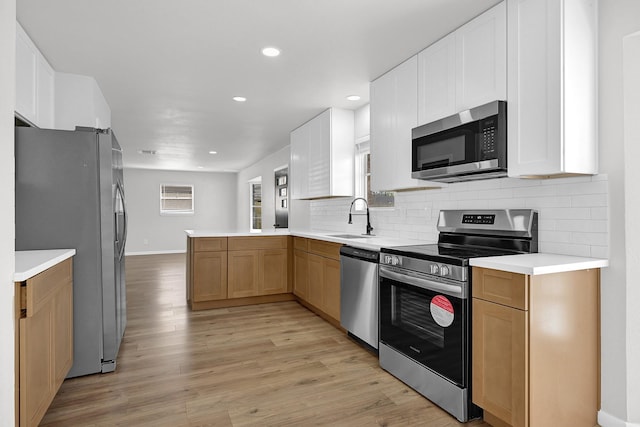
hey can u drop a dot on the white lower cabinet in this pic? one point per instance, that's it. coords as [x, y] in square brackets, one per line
[322, 156]
[552, 88]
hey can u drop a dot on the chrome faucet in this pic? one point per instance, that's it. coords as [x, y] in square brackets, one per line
[369, 227]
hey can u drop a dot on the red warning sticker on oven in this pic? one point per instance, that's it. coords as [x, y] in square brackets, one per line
[441, 310]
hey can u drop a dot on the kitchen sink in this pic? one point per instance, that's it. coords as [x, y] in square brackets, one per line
[349, 236]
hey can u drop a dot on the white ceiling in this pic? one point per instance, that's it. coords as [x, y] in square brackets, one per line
[169, 68]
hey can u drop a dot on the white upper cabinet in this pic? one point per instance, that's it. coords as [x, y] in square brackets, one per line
[322, 161]
[437, 80]
[80, 102]
[35, 89]
[394, 104]
[464, 69]
[481, 59]
[552, 90]
[299, 164]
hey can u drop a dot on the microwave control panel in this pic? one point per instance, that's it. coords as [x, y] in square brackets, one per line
[488, 139]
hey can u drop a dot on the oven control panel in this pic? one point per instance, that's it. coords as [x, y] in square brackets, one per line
[453, 272]
[488, 219]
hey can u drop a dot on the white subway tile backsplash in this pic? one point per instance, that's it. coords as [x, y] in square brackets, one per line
[590, 200]
[573, 212]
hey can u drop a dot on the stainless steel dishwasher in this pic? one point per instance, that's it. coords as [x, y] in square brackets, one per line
[359, 293]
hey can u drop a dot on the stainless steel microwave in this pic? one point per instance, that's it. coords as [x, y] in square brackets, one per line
[466, 146]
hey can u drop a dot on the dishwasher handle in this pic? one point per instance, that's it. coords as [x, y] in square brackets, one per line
[359, 253]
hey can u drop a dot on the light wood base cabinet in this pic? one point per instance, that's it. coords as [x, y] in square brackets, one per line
[535, 347]
[232, 271]
[317, 276]
[44, 340]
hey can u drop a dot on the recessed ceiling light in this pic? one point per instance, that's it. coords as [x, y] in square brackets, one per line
[353, 98]
[200, 167]
[270, 51]
[213, 152]
[239, 98]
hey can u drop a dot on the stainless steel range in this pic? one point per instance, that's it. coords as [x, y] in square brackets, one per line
[425, 292]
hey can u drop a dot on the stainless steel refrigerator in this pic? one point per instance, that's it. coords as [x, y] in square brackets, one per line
[70, 194]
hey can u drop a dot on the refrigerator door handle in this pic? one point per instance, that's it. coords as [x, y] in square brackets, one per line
[123, 240]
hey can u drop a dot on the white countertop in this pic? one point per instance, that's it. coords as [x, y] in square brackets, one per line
[372, 243]
[30, 263]
[539, 263]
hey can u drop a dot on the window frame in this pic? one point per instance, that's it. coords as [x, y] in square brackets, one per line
[252, 182]
[361, 189]
[173, 212]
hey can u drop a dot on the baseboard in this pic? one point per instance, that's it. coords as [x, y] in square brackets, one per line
[608, 420]
[180, 251]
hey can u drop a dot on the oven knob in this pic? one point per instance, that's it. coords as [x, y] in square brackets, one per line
[433, 269]
[444, 270]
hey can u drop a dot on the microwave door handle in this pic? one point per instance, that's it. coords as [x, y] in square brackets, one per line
[422, 282]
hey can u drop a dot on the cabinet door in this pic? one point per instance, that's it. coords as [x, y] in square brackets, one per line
[331, 297]
[437, 80]
[393, 114]
[481, 59]
[244, 274]
[316, 280]
[63, 333]
[26, 76]
[300, 274]
[36, 357]
[45, 94]
[274, 281]
[299, 165]
[552, 87]
[500, 361]
[319, 166]
[209, 276]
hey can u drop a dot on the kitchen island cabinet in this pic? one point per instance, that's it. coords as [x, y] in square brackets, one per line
[535, 346]
[44, 333]
[209, 262]
[238, 270]
[317, 277]
[258, 266]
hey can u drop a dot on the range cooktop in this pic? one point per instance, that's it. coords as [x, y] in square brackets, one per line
[445, 254]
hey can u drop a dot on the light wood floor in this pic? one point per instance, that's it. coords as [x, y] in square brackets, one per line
[267, 365]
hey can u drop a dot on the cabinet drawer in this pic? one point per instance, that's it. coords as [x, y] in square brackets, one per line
[42, 287]
[326, 249]
[257, 242]
[202, 244]
[502, 287]
[300, 243]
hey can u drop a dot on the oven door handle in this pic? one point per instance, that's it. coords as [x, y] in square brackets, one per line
[415, 279]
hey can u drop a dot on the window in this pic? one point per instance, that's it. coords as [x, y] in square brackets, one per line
[176, 199]
[255, 204]
[375, 199]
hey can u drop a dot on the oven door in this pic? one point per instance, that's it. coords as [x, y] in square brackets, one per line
[424, 320]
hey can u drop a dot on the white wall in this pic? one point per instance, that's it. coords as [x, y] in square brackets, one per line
[215, 208]
[7, 221]
[631, 84]
[298, 209]
[617, 18]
